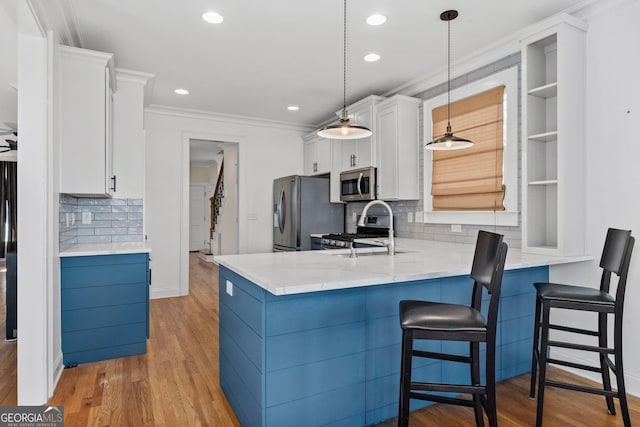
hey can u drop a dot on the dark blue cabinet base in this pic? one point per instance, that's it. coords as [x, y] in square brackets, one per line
[332, 358]
[105, 307]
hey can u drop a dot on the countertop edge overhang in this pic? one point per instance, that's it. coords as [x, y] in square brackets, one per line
[286, 273]
[114, 248]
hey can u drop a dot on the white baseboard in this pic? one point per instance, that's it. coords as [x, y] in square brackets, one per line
[164, 293]
[632, 382]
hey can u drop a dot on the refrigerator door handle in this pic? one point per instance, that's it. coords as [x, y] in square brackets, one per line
[281, 211]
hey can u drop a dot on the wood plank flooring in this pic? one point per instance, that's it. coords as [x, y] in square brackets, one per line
[176, 382]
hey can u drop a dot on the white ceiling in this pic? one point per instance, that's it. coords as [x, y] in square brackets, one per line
[267, 55]
[204, 151]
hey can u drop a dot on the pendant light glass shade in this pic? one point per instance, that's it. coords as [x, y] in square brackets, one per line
[344, 129]
[449, 141]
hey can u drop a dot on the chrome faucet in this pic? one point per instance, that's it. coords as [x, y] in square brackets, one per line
[391, 246]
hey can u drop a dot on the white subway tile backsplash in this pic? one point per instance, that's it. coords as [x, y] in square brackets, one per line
[112, 220]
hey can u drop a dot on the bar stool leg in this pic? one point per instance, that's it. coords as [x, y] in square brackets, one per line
[535, 350]
[622, 392]
[542, 357]
[606, 375]
[474, 352]
[492, 412]
[405, 378]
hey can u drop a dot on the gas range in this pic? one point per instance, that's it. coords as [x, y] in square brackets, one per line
[376, 226]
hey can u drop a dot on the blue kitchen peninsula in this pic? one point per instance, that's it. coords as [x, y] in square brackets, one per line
[312, 338]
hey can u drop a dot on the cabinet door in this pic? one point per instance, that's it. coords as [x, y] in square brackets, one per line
[109, 179]
[309, 157]
[323, 155]
[85, 121]
[317, 156]
[364, 146]
[387, 154]
[349, 154]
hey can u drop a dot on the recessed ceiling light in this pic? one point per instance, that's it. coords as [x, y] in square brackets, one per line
[212, 17]
[372, 57]
[293, 108]
[376, 19]
[181, 91]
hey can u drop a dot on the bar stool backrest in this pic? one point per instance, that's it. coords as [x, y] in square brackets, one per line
[486, 271]
[616, 257]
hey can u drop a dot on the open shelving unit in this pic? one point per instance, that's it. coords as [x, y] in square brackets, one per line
[553, 85]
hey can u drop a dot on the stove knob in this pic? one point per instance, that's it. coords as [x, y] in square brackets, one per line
[332, 242]
[343, 244]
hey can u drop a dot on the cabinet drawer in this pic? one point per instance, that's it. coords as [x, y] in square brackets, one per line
[102, 296]
[101, 317]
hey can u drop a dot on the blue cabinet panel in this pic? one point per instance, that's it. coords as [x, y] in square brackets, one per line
[249, 411]
[105, 306]
[382, 301]
[293, 313]
[246, 371]
[100, 296]
[75, 358]
[104, 260]
[101, 317]
[320, 409]
[96, 275]
[284, 351]
[315, 378]
[249, 342]
[245, 303]
[102, 337]
[239, 281]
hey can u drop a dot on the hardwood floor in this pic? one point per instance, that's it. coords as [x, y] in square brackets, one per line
[176, 382]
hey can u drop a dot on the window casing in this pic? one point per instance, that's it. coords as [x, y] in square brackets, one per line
[508, 216]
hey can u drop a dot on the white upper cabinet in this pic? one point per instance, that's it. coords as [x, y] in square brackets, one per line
[360, 153]
[128, 133]
[397, 121]
[87, 83]
[553, 123]
[317, 155]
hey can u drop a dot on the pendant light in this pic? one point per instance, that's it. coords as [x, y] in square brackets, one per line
[344, 129]
[449, 141]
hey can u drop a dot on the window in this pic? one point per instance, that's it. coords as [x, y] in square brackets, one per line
[477, 185]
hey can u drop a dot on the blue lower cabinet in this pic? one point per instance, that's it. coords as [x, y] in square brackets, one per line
[105, 306]
[332, 358]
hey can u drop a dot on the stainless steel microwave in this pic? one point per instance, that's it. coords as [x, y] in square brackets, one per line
[358, 185]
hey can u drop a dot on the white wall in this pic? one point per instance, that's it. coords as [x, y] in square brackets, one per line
[267, 150]
[203, 174]
[612, 153]
[227, 229]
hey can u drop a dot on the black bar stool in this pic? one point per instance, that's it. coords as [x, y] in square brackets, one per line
[616, 257]
[423, 320]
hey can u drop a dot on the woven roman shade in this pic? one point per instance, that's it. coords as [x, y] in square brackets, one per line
[470, 179]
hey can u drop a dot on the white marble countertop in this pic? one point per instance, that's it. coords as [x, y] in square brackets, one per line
[284, 273]
[89, 249]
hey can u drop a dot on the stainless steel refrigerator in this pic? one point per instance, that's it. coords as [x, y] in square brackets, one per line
[301, 207]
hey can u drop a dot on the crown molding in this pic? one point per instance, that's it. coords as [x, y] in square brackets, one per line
[227, 118]
[59, 17]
